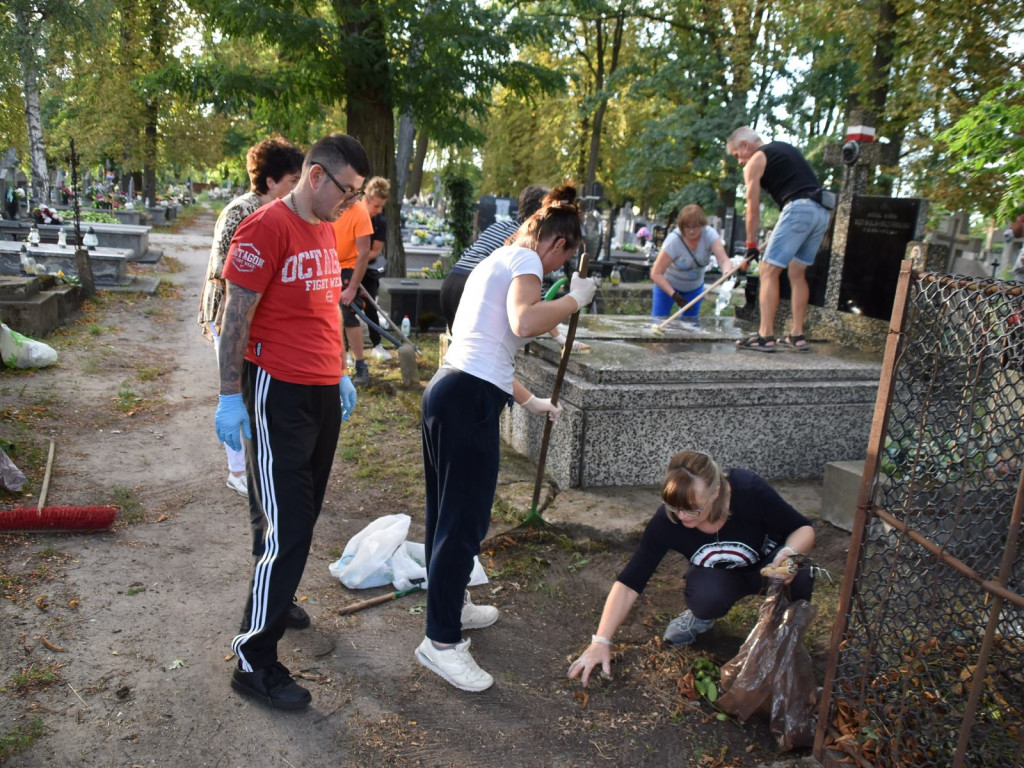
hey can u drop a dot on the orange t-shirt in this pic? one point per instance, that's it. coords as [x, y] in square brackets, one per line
[354, 222]
[296, 332]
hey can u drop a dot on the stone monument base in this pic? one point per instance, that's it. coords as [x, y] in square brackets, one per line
[636, 398]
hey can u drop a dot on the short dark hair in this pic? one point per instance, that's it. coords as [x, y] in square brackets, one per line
[336, 151]
[530, 200]
[272, 158]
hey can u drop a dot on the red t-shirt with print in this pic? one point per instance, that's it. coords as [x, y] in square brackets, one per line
[295, 334]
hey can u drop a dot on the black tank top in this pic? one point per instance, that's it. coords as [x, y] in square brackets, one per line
[787, 175]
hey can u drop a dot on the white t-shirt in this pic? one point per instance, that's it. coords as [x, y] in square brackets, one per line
[483, 344]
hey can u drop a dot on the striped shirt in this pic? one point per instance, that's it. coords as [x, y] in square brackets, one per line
[490, 240]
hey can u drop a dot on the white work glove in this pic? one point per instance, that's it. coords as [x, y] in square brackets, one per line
[582, 289]
[542, 406]
[577, 346]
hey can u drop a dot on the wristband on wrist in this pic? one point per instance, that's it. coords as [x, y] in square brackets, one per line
[599, 639]
[795, 553]
[751, 245]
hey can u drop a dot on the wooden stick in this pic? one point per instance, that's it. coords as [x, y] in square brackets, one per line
[46, 480]
[570, 336]
[661, 326]
[376, 600]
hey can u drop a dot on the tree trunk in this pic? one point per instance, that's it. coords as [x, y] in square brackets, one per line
[406, 134]
[40, 191]
[369, 108]
[149, 154]
[416, 175]
[599, 83]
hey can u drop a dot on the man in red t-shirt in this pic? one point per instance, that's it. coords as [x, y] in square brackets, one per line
[281, 371]
[352, 232]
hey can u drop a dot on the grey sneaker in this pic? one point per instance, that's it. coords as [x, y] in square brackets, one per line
[477, 616]
[379, 353]
[362, 375]
[685, 627]
[455, 665]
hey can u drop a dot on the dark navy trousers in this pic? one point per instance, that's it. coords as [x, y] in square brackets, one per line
[711, 592]
[461, 450]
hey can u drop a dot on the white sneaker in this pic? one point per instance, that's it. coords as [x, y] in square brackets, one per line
[455, 665]
[379, 353]
[238, 483]
[477, 616]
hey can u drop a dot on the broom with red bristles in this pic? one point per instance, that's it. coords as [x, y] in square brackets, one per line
[43, 518]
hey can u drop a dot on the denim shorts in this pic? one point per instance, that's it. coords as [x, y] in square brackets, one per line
[797, 234]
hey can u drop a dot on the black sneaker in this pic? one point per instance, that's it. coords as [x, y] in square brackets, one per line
[297, 618]
[272, 685]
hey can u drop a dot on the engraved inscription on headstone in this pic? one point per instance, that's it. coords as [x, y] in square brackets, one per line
[880, 228]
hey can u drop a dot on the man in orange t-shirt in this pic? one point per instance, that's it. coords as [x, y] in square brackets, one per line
[352, 232]
[281, 371]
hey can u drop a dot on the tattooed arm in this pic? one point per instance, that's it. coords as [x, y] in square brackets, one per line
[239, 308]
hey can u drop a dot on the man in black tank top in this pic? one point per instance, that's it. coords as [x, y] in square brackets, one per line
[783, 173]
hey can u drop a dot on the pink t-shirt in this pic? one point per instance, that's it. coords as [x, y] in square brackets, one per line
[296, 332]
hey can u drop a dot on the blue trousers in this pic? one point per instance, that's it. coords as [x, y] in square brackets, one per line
[461, 450]
[662, 305]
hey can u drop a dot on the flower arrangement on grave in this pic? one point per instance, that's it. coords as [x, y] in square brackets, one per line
[19, 193]
[44, 214]
[435, 271]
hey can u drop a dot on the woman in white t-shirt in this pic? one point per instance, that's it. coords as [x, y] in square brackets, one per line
[678, 272]
[500, 311]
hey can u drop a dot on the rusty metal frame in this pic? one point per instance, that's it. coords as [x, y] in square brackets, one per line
[867, 509]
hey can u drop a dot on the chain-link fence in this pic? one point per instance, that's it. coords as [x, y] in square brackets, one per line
[927, 661]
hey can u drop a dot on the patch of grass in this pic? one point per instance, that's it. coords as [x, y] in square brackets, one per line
[49, 551]
[33, 677]
[127, 400]
[172, 264]
[167, 289]
[94, 329]
[127, 501]
[148, 372]
[20, 739]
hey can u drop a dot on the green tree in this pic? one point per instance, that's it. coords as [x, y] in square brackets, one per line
[989, 146]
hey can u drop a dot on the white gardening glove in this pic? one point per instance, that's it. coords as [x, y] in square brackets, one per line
[582, 289]
[542, 406]
[577, 346]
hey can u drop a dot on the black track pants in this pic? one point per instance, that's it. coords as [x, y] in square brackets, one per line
[295, 432]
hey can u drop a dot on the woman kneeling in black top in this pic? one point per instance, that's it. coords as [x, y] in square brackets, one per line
[729, 526]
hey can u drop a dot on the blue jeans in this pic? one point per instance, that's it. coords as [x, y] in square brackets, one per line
[798, 234]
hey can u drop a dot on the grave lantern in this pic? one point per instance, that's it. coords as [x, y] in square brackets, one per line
[62, 238]
[33, 235]
[90, 241]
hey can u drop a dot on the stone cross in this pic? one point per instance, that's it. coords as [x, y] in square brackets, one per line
[858, 155]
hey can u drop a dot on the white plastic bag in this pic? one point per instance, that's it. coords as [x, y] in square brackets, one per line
[22, 352]
[366, 561]
[11, 477]
[379, 554]
[409, 566]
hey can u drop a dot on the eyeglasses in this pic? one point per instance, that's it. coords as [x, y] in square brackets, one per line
[674, 513]
[693, 227]
[346, 194]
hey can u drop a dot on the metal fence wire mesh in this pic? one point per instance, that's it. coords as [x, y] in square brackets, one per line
[929, 670]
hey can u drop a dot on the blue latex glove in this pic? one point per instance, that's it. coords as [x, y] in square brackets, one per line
[231, 416]
[348, 397]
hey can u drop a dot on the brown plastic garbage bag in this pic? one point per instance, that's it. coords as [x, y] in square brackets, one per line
[772, 671]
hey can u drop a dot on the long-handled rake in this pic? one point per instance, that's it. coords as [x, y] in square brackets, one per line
[43, 518]
[535, 518]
